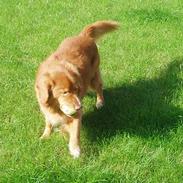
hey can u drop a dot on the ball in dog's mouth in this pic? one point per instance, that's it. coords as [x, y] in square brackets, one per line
[68, 111]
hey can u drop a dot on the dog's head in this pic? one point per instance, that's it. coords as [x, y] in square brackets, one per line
[62, 90]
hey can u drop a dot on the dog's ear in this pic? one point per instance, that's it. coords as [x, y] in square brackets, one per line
[44, 90]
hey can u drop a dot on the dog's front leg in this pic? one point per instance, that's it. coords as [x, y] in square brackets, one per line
[73, 129]
[47, 130]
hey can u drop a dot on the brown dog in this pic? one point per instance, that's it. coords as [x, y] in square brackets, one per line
[64, 77]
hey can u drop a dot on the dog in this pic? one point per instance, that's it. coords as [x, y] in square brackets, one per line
[65, 76]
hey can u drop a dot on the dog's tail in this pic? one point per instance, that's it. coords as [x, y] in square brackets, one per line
[99, 28]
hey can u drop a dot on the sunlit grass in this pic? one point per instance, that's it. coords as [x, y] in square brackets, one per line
[138, 135]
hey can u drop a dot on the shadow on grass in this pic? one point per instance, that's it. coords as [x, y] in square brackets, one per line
[144, 108]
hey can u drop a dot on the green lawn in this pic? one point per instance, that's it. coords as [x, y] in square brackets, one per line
[138, 135]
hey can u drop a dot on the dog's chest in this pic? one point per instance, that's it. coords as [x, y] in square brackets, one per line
[54, 118]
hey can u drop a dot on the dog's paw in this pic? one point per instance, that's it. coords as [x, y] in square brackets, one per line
[99, 104]
[75, 152]
[44, 136]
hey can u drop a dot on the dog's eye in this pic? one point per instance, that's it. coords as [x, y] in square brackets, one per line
[65, 92]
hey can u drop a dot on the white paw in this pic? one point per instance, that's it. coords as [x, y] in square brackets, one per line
[75, 152]
[99, 104]
[45, 136]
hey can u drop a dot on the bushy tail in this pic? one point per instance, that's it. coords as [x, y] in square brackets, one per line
[97, 29]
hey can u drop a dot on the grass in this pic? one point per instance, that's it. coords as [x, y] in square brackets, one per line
[138, 135]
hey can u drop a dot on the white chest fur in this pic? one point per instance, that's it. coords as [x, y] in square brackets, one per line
[54, 118]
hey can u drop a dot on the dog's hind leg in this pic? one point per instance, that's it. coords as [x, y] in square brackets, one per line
[96, 84]
[47, 130]
[64, 132]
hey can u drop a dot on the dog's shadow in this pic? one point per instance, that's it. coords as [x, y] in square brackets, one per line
[144, 108]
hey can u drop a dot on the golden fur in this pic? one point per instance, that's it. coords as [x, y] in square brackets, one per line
[63, 79]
